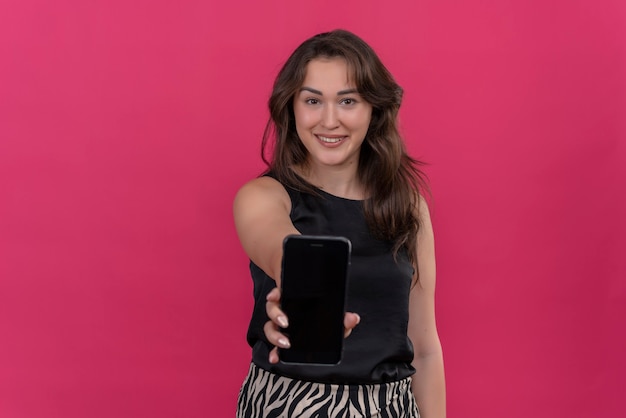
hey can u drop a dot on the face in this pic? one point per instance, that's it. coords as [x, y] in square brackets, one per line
[331, 117]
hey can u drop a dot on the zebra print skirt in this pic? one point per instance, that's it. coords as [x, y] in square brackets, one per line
[268, 395]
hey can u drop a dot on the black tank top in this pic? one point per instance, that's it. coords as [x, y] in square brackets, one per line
[378, 350]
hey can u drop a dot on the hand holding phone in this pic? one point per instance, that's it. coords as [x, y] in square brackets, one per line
[313, 281]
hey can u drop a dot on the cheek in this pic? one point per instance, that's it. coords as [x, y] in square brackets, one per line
[359, 121]
[302, 124]
[304, 117]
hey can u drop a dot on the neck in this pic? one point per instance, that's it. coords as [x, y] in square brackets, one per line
[338, 181]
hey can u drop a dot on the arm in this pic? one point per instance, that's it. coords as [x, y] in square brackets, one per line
[428, 381]
[261, 211]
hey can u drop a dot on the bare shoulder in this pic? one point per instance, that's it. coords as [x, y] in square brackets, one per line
[261, 191]
[263, 185]
[423, 213]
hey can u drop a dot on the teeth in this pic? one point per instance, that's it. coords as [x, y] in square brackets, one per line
[329, 140]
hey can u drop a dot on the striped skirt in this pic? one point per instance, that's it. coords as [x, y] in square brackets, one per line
[268, 395]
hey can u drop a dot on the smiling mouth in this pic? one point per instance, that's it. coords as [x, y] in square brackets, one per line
[330, 140]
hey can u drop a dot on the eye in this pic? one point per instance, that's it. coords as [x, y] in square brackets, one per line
[348, 101]
[311, 101]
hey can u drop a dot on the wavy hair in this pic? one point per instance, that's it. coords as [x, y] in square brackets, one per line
[392, 179]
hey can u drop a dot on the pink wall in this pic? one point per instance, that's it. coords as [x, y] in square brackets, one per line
[127, 127]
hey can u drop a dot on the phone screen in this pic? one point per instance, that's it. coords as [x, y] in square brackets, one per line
[314, 274]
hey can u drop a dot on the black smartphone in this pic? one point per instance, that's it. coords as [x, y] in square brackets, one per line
[313, 284]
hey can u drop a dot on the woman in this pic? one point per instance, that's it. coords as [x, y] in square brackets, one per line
[339, 167]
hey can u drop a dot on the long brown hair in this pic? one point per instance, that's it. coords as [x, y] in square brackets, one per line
[392, 179]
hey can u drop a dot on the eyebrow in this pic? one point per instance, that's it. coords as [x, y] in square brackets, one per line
[339, 93]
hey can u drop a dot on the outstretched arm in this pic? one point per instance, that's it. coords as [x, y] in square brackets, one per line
[261, 211]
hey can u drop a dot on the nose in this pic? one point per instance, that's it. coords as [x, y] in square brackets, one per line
[330, 119]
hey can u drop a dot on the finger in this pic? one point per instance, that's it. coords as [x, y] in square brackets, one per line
[350, 320]
[274, 295]
[272, 307]
[274, 336]
[274, 356]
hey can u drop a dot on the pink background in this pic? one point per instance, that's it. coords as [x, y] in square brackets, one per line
[126, 128]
